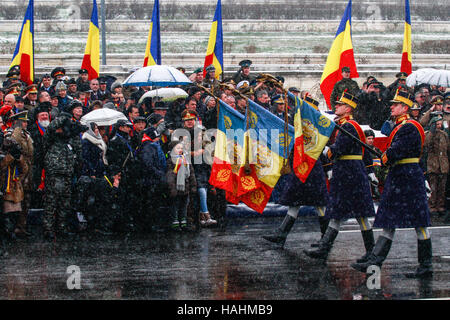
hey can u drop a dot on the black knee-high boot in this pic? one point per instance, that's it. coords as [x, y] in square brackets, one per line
[424, 255]
[378, 255]
[369, 243]
[323, 223]
[325, 245]
[280, 234]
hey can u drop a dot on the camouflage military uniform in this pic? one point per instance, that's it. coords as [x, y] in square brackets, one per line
[340, 86]
[59, 164]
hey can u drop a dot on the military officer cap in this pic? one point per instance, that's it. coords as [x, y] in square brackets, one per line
[101, 80]
[293, 89]
[85, 88]
[58, 71]
[189, 115]
[31, 89]
[13, 74]
[280, 79]
[71, 81]
[437, 100]
[229, 81]
[19, 99]
[401, 75]
[247, 91]
[139, 119]
[349, 99]
[242, 85]
[43, 107]
[345, 69]
[403, 97]
[20, 116]
[278, 99]
[415, 106]
[245, 63]
[160, 105]
[198, 70]
[83, 71]
[313, 103]
[436, 119]
[210, 68]
[123, 122]
[154, 118]
[13, 89]
[369, 133]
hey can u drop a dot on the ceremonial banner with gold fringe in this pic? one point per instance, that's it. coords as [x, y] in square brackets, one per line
[228, 169]
[268, 149]
[312, 132]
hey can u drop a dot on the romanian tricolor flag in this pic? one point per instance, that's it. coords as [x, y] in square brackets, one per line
[312, 132]
[214, 54]
[91, 59]
[153, 48]
[406, 52]
[24, 52]
[229, 154]
[340, 55]
[268, 150]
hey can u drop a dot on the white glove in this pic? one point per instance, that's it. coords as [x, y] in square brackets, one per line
[329, 174]
[428, 189]
[373, 178]
[325, 151]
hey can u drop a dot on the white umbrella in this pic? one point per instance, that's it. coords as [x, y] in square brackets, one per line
[157, 75]
[167, 94]
[429, 76]
[102, 117]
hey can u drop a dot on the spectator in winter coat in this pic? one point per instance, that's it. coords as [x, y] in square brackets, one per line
[93, 152]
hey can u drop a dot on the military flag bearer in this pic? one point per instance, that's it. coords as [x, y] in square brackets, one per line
[398, 209]
[350, 195]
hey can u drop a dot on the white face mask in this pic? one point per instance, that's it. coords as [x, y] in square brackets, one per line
[44, 123]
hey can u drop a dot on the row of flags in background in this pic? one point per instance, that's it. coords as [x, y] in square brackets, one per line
[340, 54]
[251, 150]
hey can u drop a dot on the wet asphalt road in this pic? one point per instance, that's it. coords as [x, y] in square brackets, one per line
[233, 263]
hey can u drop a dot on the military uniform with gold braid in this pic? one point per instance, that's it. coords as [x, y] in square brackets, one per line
[350, 194]
[403, 201]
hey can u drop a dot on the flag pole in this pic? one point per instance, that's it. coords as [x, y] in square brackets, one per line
[102, 9]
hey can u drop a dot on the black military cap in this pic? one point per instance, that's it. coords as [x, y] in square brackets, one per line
[245, 63]
[20, 116]
[415, 106]
[369, 133]
[401, 75]
[154, 118]
[101, 80]
[58, 71]
[345, 69]
[160, 105]
[123, 122]
[280, 79]
[19, 99]
[45, 76]
[293, 89]
[81, 71]
[13, 73]
[71, 81]
[210, 68]
[139, 119]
